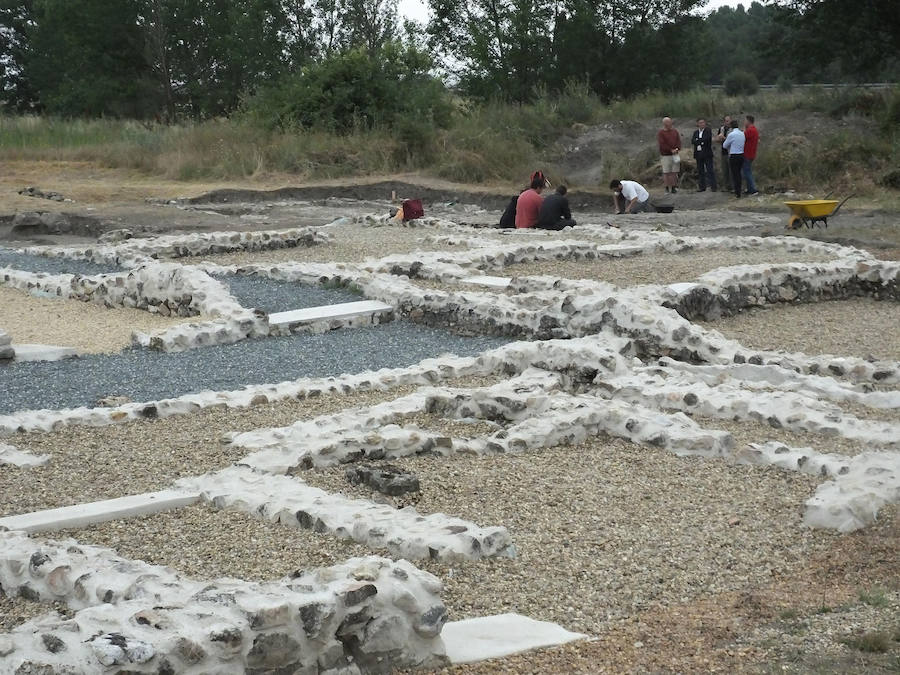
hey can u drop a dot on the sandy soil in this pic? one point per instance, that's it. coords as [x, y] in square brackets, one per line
[88, 327]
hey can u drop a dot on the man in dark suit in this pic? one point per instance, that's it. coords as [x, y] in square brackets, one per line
[555, 213]
[724, 130]
[701, 141]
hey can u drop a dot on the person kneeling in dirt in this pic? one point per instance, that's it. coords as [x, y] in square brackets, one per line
[629, 196]
[555, 213]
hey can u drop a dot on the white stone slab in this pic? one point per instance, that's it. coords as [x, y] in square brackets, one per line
[486, 280]
[344, 310]
[82, 515]
[490, 637]
[43, 352]
[682, 287]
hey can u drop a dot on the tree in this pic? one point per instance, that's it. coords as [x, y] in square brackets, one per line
[86, 58]
[512, 48]
[215, 51]
[503, 44]
[16, 21]
[857, 39]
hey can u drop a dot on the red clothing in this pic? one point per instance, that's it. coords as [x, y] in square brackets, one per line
[528, 207]
[669, 141]
[751, 141]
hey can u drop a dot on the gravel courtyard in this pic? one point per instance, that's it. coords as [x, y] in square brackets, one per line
[669, 563]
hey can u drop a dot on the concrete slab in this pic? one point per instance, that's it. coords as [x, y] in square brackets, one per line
[491, 637]
[486, 280]
[344, 310]
[683, 287]
[82, 515]
[43, 352]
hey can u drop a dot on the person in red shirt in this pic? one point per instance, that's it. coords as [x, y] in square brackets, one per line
[750, 144]
[528, 205]
[669, 141]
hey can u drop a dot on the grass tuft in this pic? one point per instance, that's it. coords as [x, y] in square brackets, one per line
[875, 597]
[874, 642]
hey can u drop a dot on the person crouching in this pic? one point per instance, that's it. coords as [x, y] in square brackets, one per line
[629, 196]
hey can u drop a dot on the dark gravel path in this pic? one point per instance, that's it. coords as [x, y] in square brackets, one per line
[145, 375]
[269, 295]
[41, 263]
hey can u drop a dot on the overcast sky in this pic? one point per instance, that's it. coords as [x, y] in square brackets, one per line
[417, 9]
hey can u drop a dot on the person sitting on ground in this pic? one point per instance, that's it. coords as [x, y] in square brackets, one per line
[629, 196]
[528, 205]
[555, 213]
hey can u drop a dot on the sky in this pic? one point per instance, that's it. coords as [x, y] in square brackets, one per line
[417, 9]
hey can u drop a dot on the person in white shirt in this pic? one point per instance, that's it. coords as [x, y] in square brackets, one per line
[734, 144]
[629, 196]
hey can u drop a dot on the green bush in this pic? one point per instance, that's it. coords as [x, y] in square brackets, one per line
[741, 82]
[354, 90]
[889, 115]
[784, 84]
[854, 101]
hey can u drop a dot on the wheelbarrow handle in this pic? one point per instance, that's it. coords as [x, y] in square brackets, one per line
[841, 204]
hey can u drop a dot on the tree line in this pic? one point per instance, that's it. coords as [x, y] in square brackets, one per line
[345, 63]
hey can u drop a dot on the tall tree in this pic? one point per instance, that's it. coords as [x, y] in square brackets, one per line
[857, 39]
[86, 58]
[16, 23]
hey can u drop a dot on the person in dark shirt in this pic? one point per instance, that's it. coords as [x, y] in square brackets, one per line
[555, 213]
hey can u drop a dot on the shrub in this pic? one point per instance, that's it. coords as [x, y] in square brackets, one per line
[876, 642]
[784, 84]
[354, 90]
[741, 82]
[853, 101]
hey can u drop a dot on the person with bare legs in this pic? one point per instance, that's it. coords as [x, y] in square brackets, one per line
[669, 141]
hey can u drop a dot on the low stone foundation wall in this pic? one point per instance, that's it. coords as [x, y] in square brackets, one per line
[761, 285]
[367, 615]
[133, 251]
[168, 289]
[6, 350]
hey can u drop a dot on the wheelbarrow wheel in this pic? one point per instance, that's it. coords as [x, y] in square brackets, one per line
[795, 223]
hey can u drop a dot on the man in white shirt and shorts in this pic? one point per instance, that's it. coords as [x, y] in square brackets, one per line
[629, 196]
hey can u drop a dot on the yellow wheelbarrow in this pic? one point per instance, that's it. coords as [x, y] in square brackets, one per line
[810, 212]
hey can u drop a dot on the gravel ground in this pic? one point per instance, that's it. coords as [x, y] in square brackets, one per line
[88, 327]
[89, 464]
[350, 243]
[146, 375]
[830, 637]
[758, 432]
[607, 528]
[216, 543]
[860, 327]
[865, 412]
[655, 268]
[269, 295]
[41, 263]
[16, 611]
[622, 529]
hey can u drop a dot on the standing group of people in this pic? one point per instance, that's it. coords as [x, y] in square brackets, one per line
[738, 149]
[738, 152]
